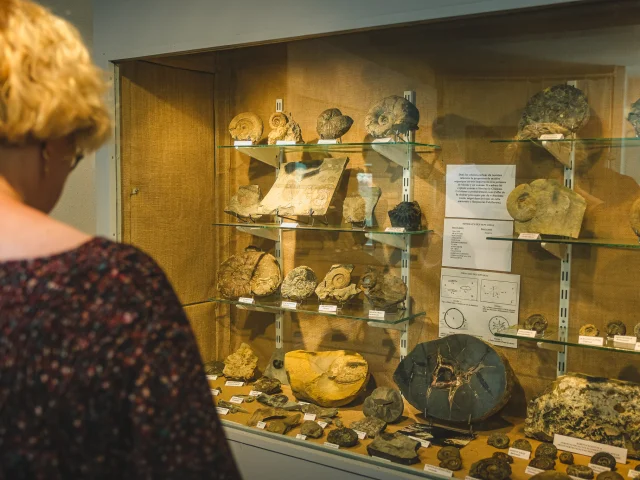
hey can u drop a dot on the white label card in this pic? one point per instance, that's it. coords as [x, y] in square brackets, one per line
[588, 448]
[215, 392]
[441, 472]
[598, 468]
[551, 136]
[231, 383]
[247, 300]
[331, 445]
[237, 400]
[289, 225]
[309, 416]
[423, 443]
[301, 437]
[470, 478]
[242, 143]
[361, 435]
[526, 333]
[595, 341]
[328, 309]
[637, 349]
[303, 403]
[529, 236]
[625, 339]
[327, 141]
[516, 452]
[532, 471]
[212, 377]
[254, 393]
[285, 142]
[291, 305]
[376, 314]
[633, 474]
[323, 424]
[222, 411]
[261, 425]
[395, 230]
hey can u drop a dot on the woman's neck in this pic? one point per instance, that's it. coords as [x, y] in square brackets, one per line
[8, 192]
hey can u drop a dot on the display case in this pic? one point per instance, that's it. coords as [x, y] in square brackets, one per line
[235, 171]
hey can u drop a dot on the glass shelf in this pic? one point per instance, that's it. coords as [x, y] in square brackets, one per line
[337, 147]
[353, 311]
[552, 335]
[594, 242]
[599, 142]
[322, 228]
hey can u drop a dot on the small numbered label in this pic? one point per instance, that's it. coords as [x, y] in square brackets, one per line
[222, 411]
[301, 437]
[212, 377]
[261, 425]
[595, 341]
[526, 333]
[516, 452]
[247, 300]
[376, 314]
[309, 416]
[291, 305]
[231, 383]
[237, 400]
[328, 308]
[331, 445]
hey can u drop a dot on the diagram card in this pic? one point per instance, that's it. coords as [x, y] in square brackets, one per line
[479, 303]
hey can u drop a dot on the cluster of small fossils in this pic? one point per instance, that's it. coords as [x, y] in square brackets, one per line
[538, 323]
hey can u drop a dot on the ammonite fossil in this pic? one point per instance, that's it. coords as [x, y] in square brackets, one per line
[452, 463]
[391, 116]
[383, 290]
[536, 322]
[609, 475]
[337, 285]
[498, 440]
[345, 437]
[546, 450]
[616, 327]
[448, 452]
[406, 215]
[580, 471]
[563, 105]
[490, 469]
[522, 444]
[634, 116]
[333, 124]
[634, 217]
[246, 126]
[384, 403]
[543, 463]
[283, 127]
[503, 456]
[589, 330]
[300, 283]
[604, 459]
[249, 273]
[245, 202]
[566, 458]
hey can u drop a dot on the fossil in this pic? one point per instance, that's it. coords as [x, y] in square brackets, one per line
[395, 447]
[392, 116]
[245, 203]
[246, 126]
[384, 403]
[636, 331]
[448, 452]
[299, 284]
[590, 408]
[498, 440]
[249, 273]
[609, 476]
[452, 463]
[458, 378]
[267, 385]
[333, 124]
[634, 217]
[336, 285]
[566, 458]
[277, 419]
[580, 471]
[276, 401]
[634, 116]
[439, 436]
[383, 290]
[547, 207]
[589, 330]
[536, 322]
[522, 444]
[214, 368]
[345, 437]
[233, 408]
[304, 188]
[533, 131]
[406, 215]
[358, 208]
[546, 450]
[285, 128]
[543, 463]
[503, 456]
[372, 426]
[604, 459]
[319, 411]
[562, 105]
[241, 364]
[490, 469]
[311, 429]
[616, 328]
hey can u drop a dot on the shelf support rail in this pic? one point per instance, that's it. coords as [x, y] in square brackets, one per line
[278, 248]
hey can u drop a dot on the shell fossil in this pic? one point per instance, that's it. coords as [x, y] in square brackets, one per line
[589, 330]
[333, 124]
[490, 469]
[536, 322]
[300, 283]
[383, 290]
[358, 208]
[563, 105]
[522, 444]
[392, 115]
[283, 127]
[609, 475]
[634, 116]
[245, 202]
[605, 459]
[498, 440]
[407, 215]
[448, 452]
[336, 285]
[566, 458]
[246, 126]
[580, 471]
[452, 463]
[503, 456]
[249, 273]
[616, 327]
[546, 450]
[543, 463]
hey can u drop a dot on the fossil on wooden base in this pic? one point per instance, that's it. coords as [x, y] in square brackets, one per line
[241, 364]
[285, 128]
[392, 116]
[383, 290]
[246, 126]
[333, 124]
[299, 284]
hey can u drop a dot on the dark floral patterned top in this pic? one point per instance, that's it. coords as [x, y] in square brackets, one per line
[100, 374]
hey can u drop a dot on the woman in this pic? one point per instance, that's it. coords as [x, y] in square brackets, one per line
[100, 375]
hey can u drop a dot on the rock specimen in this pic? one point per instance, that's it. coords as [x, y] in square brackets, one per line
[503, 456]
[395, 447]
[609, 476]
[276, 401]
[267, 385]
[384, 403]
[596, 409]
[589, 330]
[311, 429]
[336, 285]
[233, 408]
[457, 378]
[285, 128]
[448, 452]
[281, 419]
[566, 458]
[300, 283]
[616, 328]
[536, 322]
[562, 105]
[328, 379]
[634, 116]
[246, 126]
[634, 217]
[333, 124]
[392, 116]
[383, 290]
[372, 426]
[241, 364]
[547, 207]
[636, 331]
[533, 131]
[358, 208]
[551, 475]
[406, 215]
[249, 273]
[546, 450]
[453, 464]
[213, 368]
[580, 471]
[522, 444]
[345, 437]
[604, 459]
[304, 188]
[637, 469]
[319, 411]
[543, 463]
[490, 469]
[246, 202]
[498, 440]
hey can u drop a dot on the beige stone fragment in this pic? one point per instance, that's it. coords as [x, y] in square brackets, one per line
[285, 128]
[241, 364]
[245, 202]
[336, 285]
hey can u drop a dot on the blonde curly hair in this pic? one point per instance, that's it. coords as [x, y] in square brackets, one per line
[49, 87]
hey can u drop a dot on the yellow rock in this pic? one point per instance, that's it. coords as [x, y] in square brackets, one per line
[328, 379]
[241, 364]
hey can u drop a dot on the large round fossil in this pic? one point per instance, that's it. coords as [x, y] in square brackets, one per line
[580, 471]
[498, 440]
[562, 105]
[392, 115]
[609, 475]
[246, 126]
[249, 273]
[384, 403]
[300, 283]
[566, 458]
[604, 459]
[448, 452]
[547, 450]
[522, 444]
[490, 469]
[616, 327]
[283, 127]
[407, 215]
[383, 290]
[333, 124]
[457, 378]
[543, 463]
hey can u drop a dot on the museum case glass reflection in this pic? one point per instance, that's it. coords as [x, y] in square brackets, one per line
[295, 194]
